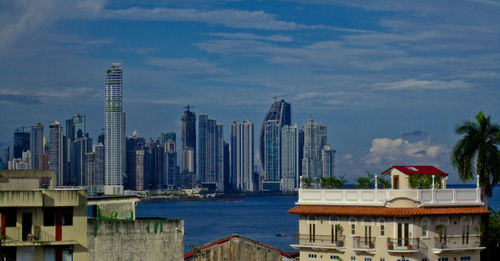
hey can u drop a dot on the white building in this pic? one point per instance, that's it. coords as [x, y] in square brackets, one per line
[242, 161]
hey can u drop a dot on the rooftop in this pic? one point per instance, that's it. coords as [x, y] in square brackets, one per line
[417, 170]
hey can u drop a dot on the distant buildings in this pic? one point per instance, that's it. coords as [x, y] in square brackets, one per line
[56, 151]
[114, 126]
[315, 137]
[188, 154]
[289, 158]
[36, 144]
[21, 142]
[242, 156]
[211, 153]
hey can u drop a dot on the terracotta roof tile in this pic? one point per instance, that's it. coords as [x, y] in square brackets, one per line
[385, 211]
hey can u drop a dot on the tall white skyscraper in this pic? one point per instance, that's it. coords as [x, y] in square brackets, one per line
[56, 152]
[242, 161]
[289, 158]
[114, 127]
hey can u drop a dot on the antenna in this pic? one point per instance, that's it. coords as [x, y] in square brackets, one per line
[188, 107]
[275, 98]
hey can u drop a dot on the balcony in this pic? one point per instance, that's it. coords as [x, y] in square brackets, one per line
[41, 236]
[380, 197]
[366, 244]
[403, 245]
[318, 242]
[457, 243]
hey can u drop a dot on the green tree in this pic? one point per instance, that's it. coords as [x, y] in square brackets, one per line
[365, 182]
[478, 146]
[477, 153]
[338, 182]
[307, 182]
[383, 183]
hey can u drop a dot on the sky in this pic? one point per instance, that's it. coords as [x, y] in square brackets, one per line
[390, 78]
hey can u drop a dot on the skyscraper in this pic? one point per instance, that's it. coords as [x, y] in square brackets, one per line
[211, 153]
[272, 154]
[289, 158]
[280, 111]
[76, 127]
[188, 139]
[327, 161]
[21, 142]
[170, 162]
[242, 161]
[114, 126]
[135, 144]
[36, 144]
[56, 151]
[315, 137]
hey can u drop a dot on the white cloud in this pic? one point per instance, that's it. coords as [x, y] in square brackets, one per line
[412, 84]
[273, 38]
[187, 67]
[385, 152]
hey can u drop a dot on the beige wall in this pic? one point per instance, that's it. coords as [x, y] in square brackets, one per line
[26, 179]
[323, 226]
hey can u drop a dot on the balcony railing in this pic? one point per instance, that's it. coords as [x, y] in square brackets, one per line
[363, 243]
[457, 242]
[319, 240]
[397, 244]
[379, 197]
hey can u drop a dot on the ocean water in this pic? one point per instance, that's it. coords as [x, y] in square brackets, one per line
[255, 217]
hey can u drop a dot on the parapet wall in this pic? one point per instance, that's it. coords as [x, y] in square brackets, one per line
[140, 239]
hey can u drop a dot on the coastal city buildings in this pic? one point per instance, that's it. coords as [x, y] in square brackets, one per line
[114, 127]
[211, 153]
[419, 218]
[315, 137]
[188, 156]
[289, 158]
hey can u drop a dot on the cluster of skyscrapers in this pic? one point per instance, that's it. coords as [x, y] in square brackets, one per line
[117, 162]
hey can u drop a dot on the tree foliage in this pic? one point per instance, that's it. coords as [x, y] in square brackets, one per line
[367, 182]
[424, 181]
[332, 182]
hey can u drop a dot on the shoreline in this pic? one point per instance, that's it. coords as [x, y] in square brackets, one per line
[220, 197]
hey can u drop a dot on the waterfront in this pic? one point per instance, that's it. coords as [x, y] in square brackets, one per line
[256, 217]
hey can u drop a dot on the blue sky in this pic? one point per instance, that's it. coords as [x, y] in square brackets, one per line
[389, 78]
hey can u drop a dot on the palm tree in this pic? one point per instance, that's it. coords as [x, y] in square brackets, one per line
[479, 145]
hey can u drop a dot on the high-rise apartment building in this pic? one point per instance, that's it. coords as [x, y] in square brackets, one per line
[99, 164]
[170, 162]
[242, 152]
[56, 151]
[21, 142]
[134, 144]
[211, 153]
[188, 140]
[315, 137]
[78, 149]
[114, 126]
[327, 161]
[289, 158]
[36, 144]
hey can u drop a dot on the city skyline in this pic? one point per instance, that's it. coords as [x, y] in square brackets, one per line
[391, 81]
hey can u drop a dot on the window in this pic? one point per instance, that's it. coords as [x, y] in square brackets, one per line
[312, 232]
[425, 259]
[443, 259]
[403, 259]
[465, 234]
[313, 256]
[465, 258]
[353, 229]
[382, 259]
[353, 258]
[10, 216]
[67, 216]
[424, 230]
[382, 230]
[49, 216]
[334, 257]
[368, 259]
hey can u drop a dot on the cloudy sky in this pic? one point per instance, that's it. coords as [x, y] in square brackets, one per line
[391, 79]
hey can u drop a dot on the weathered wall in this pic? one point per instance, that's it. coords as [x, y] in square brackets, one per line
[140, 239]
[238, 249]
[27, 179]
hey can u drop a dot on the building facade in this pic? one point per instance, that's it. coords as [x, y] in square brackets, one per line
[272, 154]
[56, 151]
[289, 158]
[401, 223]
[188, 140]
[242, 156]
[36, 144]
[315, 137]
[114, 127]
[211, 153]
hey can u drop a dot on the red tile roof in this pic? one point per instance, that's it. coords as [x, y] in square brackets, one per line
[385, 211]
[228, 238]
[417, 170]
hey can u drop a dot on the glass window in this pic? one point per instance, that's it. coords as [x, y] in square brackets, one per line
[382, 230]
[312, 256]
[443, 259]
[49, 216]
[67, 216]
[10, 216]
[465, 258]
[368, 259]
[334, 257]
[382, 259]
[353, 258]
[353, 229]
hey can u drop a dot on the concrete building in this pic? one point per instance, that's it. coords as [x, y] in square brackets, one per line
[242, 156]
[402, 223]
[170, 162]
[327, 161]
[21, 142]
[236, 247]
[289, 158]
[36, 145]
[114, 127]
[40, 222]
[56, 151]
